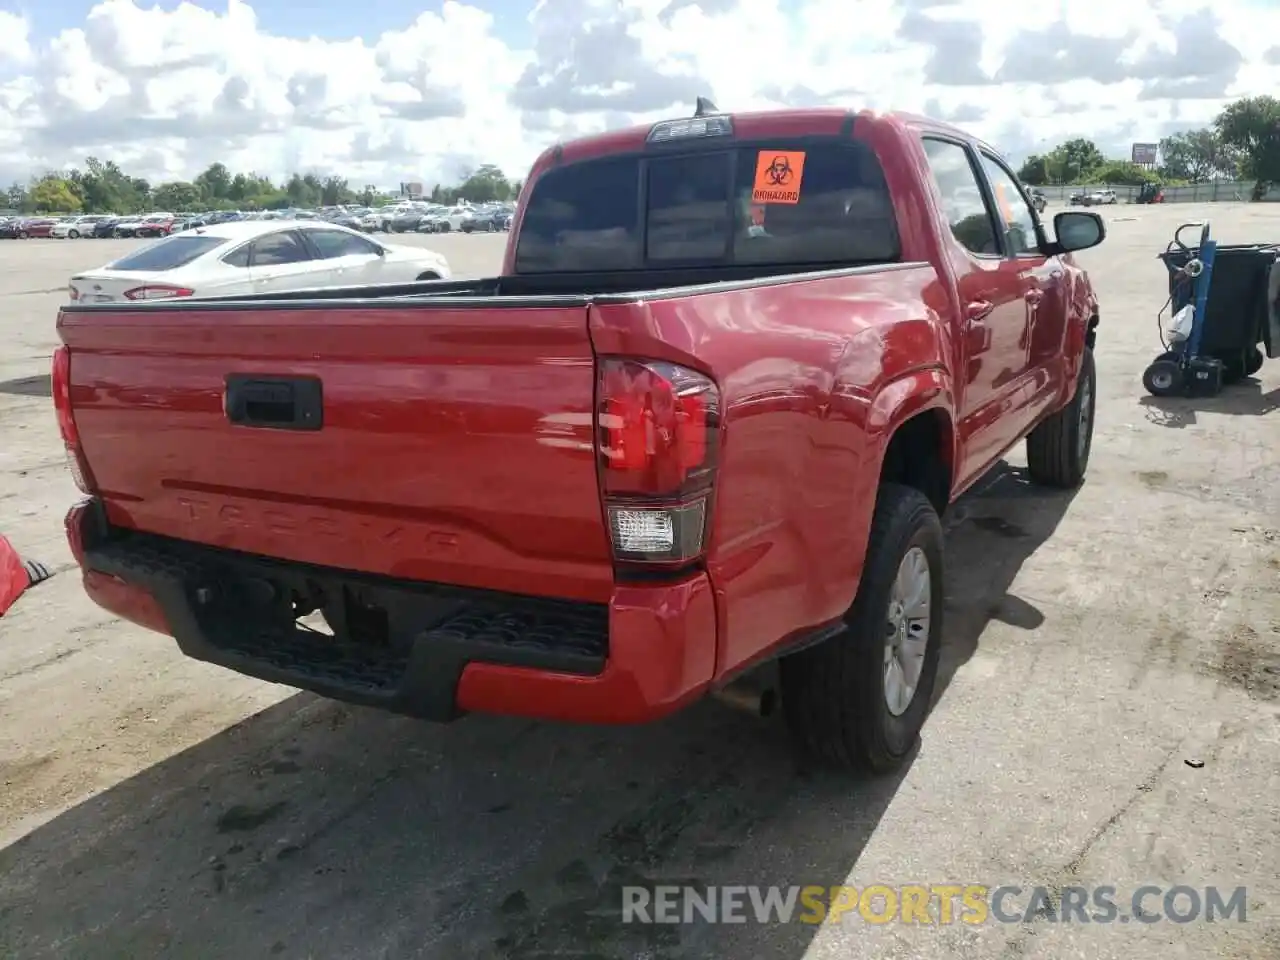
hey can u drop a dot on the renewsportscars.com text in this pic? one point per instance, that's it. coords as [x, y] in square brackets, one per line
[932, 904]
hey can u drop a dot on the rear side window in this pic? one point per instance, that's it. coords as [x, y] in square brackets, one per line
[169, 254]
[820, 205]
[583, 217]
[335, 243]
[962, 201]
[276, 249]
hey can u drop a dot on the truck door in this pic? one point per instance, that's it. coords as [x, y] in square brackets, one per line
[1040, 279]
[992, 358]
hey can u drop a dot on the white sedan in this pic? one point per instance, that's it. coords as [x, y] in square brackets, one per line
[76, 227]
[255, 256]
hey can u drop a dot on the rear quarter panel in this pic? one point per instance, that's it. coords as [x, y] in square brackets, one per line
[814, 375]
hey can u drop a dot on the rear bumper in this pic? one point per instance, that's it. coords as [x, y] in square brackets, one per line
[424, 650]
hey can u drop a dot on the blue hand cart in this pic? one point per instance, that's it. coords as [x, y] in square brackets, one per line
[1225, 291]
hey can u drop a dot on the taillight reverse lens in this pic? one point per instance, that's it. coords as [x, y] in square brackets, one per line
[659, 429]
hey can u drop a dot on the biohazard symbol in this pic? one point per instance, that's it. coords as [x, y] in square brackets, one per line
[779, 171]
[779, 175]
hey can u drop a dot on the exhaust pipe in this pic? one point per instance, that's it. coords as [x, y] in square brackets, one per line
[749, 699]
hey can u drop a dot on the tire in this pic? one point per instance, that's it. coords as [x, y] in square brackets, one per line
[1163, 378]
[490, 228]
[1253, 362]
[1241, 364]
[1058, 448]
[73, 234]
[23, 235]
[429, 275]
[834, 694]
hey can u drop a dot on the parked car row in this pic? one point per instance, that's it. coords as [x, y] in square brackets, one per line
[406, 217]
[413, 217]
[90, 225]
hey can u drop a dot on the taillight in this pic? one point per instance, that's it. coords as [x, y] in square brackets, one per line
[658, 440]
[60, 383]
[157, 291]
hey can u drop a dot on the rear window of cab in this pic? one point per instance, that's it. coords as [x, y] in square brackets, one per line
[812, 205]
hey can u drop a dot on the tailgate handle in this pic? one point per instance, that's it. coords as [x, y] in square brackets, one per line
[280, 403]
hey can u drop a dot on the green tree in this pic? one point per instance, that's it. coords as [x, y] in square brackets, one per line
[1074, 161]
[1252, 126]
[302, 191]
[54, 194]
[215, 182]
[486, 184]
[177, 196]
[334, 191]
[1122, 173]
[1196, 156]
[1035, 172]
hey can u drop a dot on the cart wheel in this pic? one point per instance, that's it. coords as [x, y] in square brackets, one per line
[1163, 378]
[1253, 362]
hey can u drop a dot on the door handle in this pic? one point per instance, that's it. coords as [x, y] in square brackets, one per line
[978, 310]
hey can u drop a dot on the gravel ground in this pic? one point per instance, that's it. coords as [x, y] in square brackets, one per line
[1110, 715]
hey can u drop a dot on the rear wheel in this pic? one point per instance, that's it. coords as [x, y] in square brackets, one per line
[1058, 448]
[429, 275]
[860, 699]
[73, 234]
[23, 235]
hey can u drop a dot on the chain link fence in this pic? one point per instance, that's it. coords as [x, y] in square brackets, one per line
[1217, 191]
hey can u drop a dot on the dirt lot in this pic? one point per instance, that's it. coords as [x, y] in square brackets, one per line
[1111, 716]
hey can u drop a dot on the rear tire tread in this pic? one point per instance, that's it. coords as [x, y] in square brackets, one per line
[832, 694]
[1053, 453]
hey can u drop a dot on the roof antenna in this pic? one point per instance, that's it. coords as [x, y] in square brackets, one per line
[705, 108]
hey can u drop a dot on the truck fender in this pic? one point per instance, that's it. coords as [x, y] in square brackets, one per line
[908, 396]
[907, 399]
[1080, 333]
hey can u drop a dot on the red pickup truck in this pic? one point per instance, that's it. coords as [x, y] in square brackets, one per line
[733, 370]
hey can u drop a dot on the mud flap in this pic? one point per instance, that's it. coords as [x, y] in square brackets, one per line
[1271, 332]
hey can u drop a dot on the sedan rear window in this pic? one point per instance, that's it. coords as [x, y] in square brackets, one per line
[803, 205]
[169, 254]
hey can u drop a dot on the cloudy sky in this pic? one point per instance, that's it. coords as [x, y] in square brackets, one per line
[385, 90]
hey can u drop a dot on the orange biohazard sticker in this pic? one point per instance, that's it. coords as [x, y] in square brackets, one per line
[779, 174]
[1003, 202]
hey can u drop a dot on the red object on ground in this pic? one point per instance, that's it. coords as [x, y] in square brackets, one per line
[13, 576]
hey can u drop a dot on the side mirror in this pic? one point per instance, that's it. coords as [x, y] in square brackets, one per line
[1076, 230]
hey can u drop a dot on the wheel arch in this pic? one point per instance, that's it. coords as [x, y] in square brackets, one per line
[914, 420]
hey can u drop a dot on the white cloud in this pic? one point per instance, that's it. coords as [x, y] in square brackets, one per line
[166, 92]
[15, 43]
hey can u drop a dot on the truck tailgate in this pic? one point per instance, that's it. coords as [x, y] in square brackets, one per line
[454, 444]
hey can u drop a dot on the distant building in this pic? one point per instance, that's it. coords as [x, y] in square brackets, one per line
[411, 190]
